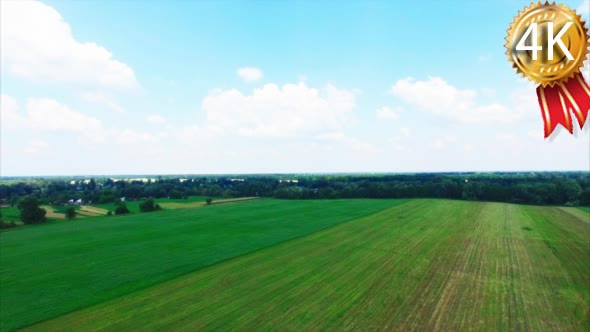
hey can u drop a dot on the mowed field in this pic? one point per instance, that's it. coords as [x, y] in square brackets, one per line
[196, 204]
[166, 203]
[422, 265]
[49, 270]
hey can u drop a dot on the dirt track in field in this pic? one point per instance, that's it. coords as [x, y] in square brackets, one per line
[50, 213]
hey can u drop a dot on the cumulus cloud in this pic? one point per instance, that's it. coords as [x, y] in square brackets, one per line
[44, 114]
[38, 45]
[48, 114]
[275, 111]
[9, 116]
[250, 74]
[438, 97]
[387, 113]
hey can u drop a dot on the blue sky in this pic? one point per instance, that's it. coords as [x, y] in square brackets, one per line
[109, 87]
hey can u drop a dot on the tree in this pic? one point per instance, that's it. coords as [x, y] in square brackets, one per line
[92, 184]
[585, 197]
[30, 212]
[568, 191]
[149, 205]
[209, 200]
[176, 194]
[121, 208]
[70, 212]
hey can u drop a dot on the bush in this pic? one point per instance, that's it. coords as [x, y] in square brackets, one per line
[209, 200]
[149, 205]
[30, 212]
[176, 194]
[70, 212]
[109, 213]
[7, 224]
[121, 208]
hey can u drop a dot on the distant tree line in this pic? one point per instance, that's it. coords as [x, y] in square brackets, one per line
[540, 188]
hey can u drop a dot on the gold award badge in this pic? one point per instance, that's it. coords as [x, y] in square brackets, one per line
[548, 43]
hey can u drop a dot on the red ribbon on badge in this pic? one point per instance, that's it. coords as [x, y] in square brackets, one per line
[558, 100]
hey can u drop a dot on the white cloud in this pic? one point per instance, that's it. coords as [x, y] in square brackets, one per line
[387, 113]
[35, 146]
[101, 98]
[37, 44]
[155, 119]
[9, 115]
[43, 114]
[274, 111]
[438, 97]
[250, 74]
[48, 114]
[406, 131]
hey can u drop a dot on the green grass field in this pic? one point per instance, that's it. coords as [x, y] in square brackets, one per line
[303, 265]
[133, 206]
[52, 269]
[10, 213]
[426, 265]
